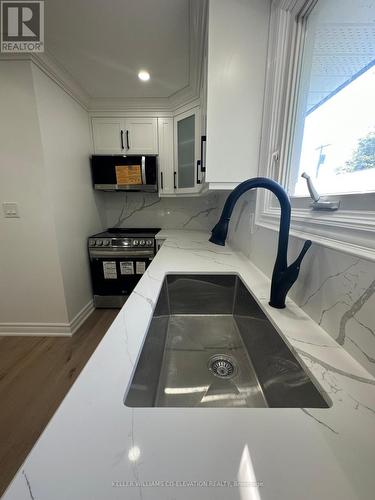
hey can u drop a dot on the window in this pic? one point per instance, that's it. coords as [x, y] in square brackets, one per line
[335, 129]
[319, 118]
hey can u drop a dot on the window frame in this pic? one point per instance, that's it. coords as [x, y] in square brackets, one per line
[351, 228]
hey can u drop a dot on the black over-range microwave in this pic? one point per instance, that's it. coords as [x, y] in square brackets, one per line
[125, 173]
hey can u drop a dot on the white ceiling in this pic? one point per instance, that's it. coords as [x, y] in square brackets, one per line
[104, 43]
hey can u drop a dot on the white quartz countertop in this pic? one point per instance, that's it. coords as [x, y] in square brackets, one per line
[95, 448]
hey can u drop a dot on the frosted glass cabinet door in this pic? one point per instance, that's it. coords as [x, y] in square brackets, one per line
[186, 152]
[187, 141]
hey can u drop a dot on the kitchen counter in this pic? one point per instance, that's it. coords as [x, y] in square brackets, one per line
[95, 448]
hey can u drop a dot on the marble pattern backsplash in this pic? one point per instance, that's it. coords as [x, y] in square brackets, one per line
[338, 292]
[148, 210]
[335, 289]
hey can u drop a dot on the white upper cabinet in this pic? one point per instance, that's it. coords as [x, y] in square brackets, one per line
[166, 157]
[108, 135]
[125, 135]
[141, 136]
[235, 89]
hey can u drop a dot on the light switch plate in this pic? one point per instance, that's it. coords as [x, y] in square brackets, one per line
[10, 209]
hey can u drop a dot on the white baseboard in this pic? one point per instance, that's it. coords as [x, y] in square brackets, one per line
[48, 329]
[36, 329]
[82, 316]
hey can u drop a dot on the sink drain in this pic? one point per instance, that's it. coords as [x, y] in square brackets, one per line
[223, 366]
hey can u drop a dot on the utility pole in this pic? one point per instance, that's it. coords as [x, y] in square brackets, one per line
[321, 159]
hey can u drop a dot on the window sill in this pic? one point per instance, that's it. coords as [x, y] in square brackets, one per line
[345, 231]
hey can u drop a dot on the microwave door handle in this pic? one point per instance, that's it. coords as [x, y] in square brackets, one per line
[143, 170]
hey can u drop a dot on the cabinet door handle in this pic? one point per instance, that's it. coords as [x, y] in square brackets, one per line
[198, 165]
[203, 152]
[122, 139]
[161, 180]
[127, 139]
[174, 180]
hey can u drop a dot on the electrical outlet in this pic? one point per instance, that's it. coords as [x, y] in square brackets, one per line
[10, 210]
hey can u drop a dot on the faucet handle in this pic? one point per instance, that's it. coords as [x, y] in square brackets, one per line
[283, 281]
[297, 262]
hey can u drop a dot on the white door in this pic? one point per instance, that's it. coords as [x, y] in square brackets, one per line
[187, 174]
[108, 135]
[166, 156]
[141, 136]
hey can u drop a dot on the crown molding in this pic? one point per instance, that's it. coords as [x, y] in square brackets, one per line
[161, 105]
[189, 95]
[141, 109]
[128, 104]
[198, 10]
[50, 67]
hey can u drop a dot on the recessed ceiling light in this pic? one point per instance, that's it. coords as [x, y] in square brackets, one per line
[144, 76]
[134, 453]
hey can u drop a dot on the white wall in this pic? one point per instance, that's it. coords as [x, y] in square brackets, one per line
[336, 289]
[66, 140]
[44, 166]
[31, 287]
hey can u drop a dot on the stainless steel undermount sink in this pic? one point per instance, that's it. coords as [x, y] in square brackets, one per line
[209, 344]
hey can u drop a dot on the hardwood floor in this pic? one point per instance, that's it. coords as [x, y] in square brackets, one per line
[35, 375]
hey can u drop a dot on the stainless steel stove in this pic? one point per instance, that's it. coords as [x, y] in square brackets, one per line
[118, 259]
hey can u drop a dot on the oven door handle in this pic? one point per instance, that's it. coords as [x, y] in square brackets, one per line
[105, 254]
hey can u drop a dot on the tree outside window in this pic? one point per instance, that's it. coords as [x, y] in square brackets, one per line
[363, 157]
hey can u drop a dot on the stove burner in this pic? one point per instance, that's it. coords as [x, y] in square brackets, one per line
[138, 230]
[128, 232]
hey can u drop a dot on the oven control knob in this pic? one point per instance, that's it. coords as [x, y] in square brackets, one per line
[92, 243]
[106, 243]
[99, 243]
[135, 243]
[149, 243]
[142, 243]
